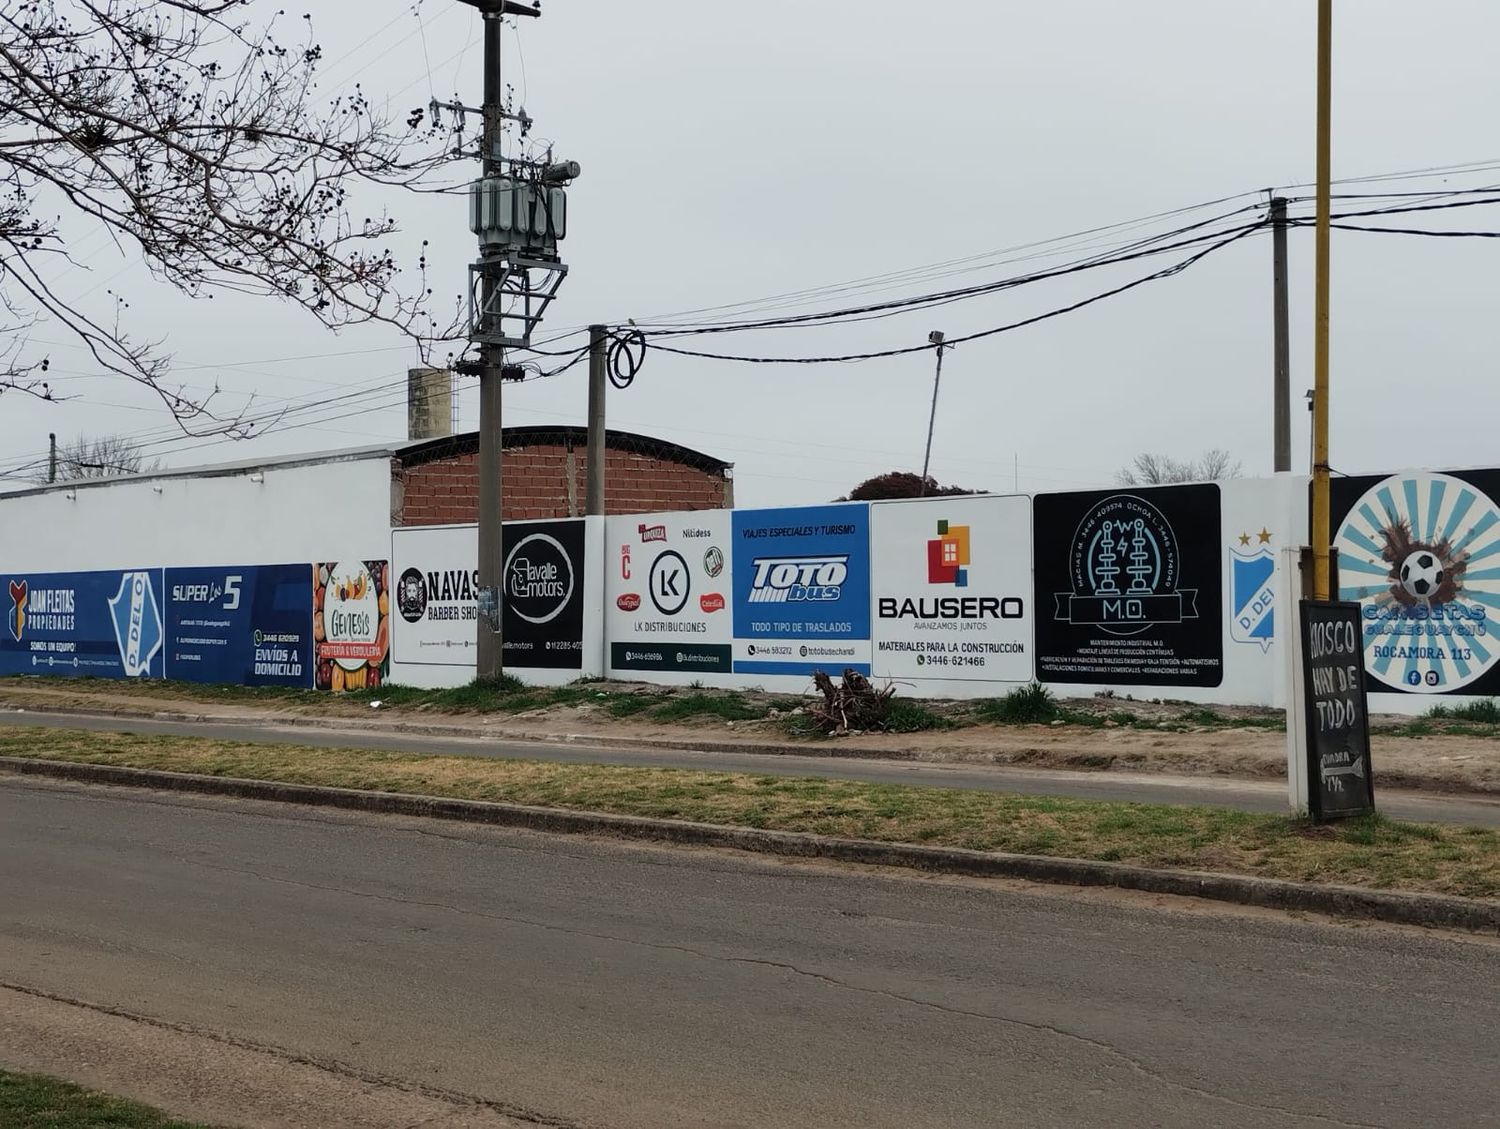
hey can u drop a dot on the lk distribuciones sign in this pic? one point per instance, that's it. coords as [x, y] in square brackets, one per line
[666, 593]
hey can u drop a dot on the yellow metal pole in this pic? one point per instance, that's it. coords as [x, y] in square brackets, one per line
[1322, 587]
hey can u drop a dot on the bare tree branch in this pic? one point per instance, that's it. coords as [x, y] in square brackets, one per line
[196, 136]
[1158, 470]
[100, 456]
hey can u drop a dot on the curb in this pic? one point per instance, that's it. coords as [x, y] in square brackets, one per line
[1438, 910]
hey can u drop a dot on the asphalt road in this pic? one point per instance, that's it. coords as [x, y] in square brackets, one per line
[635, 987]
[1224, 791]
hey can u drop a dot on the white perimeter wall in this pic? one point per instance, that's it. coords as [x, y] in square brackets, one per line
[339, 510]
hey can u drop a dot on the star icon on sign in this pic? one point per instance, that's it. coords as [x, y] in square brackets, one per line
[1244, 539]
[1264, 535]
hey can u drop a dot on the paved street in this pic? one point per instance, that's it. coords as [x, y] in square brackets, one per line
[1247, 795]
[635, 987]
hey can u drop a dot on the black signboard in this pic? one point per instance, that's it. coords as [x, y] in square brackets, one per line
[543, 594]
[1129, 587]
[1419, 551]
[1338, 723]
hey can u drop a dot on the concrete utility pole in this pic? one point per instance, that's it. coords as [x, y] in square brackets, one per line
[936, 337]
[518, 210]
[1322, 566]
[490, 654]
[52, 459]
[598, 344]
[1282, 384]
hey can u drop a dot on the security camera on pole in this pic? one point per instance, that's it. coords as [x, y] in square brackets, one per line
[519, 210]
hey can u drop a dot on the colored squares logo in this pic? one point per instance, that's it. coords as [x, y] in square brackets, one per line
[948, 556]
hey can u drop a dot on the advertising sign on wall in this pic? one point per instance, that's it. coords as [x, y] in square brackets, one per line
[100, 624]
[1420, 553]
[543, 578]
[1129, 587]
[1339, 777]
[667, 593]
[351, 624]
[436, 595]
[247, 625]
[802, 590]
[952, 589]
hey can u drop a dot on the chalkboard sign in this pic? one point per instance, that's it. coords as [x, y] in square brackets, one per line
[1338, 721]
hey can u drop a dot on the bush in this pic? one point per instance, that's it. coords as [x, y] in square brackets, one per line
[1025, 705]
[1485, 711]
[907, 717]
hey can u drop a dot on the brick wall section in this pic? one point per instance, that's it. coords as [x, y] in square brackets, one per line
[534, 482]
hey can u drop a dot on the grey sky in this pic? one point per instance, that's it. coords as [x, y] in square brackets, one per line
[736, 151]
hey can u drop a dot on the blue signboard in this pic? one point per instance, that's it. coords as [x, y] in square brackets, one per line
[99, 624]
[244, 625]
[802, 590]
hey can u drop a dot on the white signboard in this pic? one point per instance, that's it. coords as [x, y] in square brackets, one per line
[434, 595]
[667, 595]
[951, 589]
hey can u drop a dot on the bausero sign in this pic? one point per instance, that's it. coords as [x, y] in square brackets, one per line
[667, 604]
[543, 594]
[951, 583]
[802, 590]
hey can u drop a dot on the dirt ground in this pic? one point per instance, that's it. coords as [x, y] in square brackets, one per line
[1443, 761]
[212, 1078]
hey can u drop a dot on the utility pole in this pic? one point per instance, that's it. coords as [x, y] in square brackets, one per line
[52, 459]
[1322, 586]
[598, 343]
[936, 337]
[518, 210]
[490, 654]
[1282, 386]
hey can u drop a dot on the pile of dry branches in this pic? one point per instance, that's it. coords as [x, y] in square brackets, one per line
[856, 706]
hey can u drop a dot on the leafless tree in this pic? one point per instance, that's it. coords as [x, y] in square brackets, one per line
[101, 456]
[192, 131]
[1158, 470]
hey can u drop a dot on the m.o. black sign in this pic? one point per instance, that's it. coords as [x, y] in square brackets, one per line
[1338, 721]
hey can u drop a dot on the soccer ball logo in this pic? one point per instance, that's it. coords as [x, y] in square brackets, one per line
[1422, 575]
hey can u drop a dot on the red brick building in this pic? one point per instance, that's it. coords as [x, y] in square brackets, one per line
[544, 475]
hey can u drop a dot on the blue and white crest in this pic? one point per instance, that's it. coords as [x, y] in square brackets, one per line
[1252, 597]
[137, 620]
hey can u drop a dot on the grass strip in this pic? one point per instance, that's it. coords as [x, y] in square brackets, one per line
[702, 706]
[1375, 852]
[38, 1102]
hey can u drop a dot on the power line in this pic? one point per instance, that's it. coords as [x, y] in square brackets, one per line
[1140, 249]
[1166, 272]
